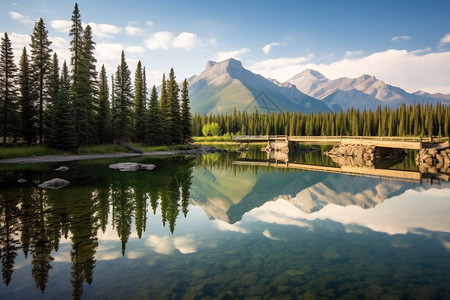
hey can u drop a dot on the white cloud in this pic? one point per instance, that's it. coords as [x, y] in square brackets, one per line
[406, 69]
[353, 54]
[135, 49]
[185, 40]
[61, 25]
[223, 55]
[153, 77]
[166, 39]
[19, 40]
[420, 51]
[160, 40]
[21, 18]
[104, 30]
[108, 51]
[267, 48]
[149, 23]
[445, 39]
[131, 29]
[402, 37]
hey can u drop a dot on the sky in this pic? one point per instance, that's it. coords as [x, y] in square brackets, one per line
[404, 43]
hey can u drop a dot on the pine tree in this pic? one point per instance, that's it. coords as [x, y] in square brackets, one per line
[104, 111]
[153, 121]
[53, 92]
[63, 135]
[164, 111]
[83, 89]
[76, 44]
[8, 90]
[173, 115]
[123, 103]
[186, 117]
[41, 67]
[139, 104]
[27, 100]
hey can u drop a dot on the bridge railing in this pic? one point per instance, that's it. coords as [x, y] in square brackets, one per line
[334, 138]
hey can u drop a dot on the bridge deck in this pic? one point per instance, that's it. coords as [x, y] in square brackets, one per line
[387, 142]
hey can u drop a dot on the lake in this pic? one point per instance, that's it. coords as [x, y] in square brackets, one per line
[206, 227]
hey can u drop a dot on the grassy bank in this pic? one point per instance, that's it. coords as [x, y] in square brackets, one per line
[211, 139]
[15, 151]
[145, 148]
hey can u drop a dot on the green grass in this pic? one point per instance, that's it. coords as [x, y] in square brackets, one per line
[14, 151]
[145, 148]
[26, 151]
[101, 149]
[209, 139]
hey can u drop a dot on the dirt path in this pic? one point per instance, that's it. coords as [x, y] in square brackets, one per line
[63, 158]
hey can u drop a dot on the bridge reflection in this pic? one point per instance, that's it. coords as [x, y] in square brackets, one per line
[277, 159]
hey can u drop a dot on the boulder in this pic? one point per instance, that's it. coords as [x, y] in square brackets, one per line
[55, 183]
[131, 166]
[62, 169]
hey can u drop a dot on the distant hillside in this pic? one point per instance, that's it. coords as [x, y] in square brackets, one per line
[227, 84]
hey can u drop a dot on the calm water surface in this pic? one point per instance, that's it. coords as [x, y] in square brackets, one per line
[204, 228]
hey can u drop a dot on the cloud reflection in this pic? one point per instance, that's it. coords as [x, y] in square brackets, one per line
[167, 244]
[424, 209]
[223, 226]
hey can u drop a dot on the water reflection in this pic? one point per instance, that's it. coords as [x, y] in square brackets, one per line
[103, 205]
[34, 220]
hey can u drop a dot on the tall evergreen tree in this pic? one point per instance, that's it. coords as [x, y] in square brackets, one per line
[76, 32]
[41, 67]
[139, 104]
[173, 113]
[27, 100]
[153, 121]
[186, 117]
[123, 101]
[8, 89]
[104, 110]
[83, 89]
[53, 93]
[63, 135]
[164, 112]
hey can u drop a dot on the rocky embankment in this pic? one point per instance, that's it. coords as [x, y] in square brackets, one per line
[362, 155]
[433, 160]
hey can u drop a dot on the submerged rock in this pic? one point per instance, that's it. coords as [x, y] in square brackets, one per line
[62, 169]
[131, 166]
[55, 183]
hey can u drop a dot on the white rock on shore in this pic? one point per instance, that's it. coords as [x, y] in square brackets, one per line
[131, 166]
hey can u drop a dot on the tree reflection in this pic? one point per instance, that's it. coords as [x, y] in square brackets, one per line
[35, 220]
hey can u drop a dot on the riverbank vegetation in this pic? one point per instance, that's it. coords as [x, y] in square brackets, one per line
[405, 120]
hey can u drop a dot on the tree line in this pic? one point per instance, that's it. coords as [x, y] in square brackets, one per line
[417, 119]
[43, 103]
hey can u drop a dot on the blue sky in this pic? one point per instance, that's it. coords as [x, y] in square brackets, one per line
[404, 43]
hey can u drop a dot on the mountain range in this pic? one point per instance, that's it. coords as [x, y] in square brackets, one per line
[222, 86]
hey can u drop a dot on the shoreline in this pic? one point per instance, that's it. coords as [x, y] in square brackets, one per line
[65, 158]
